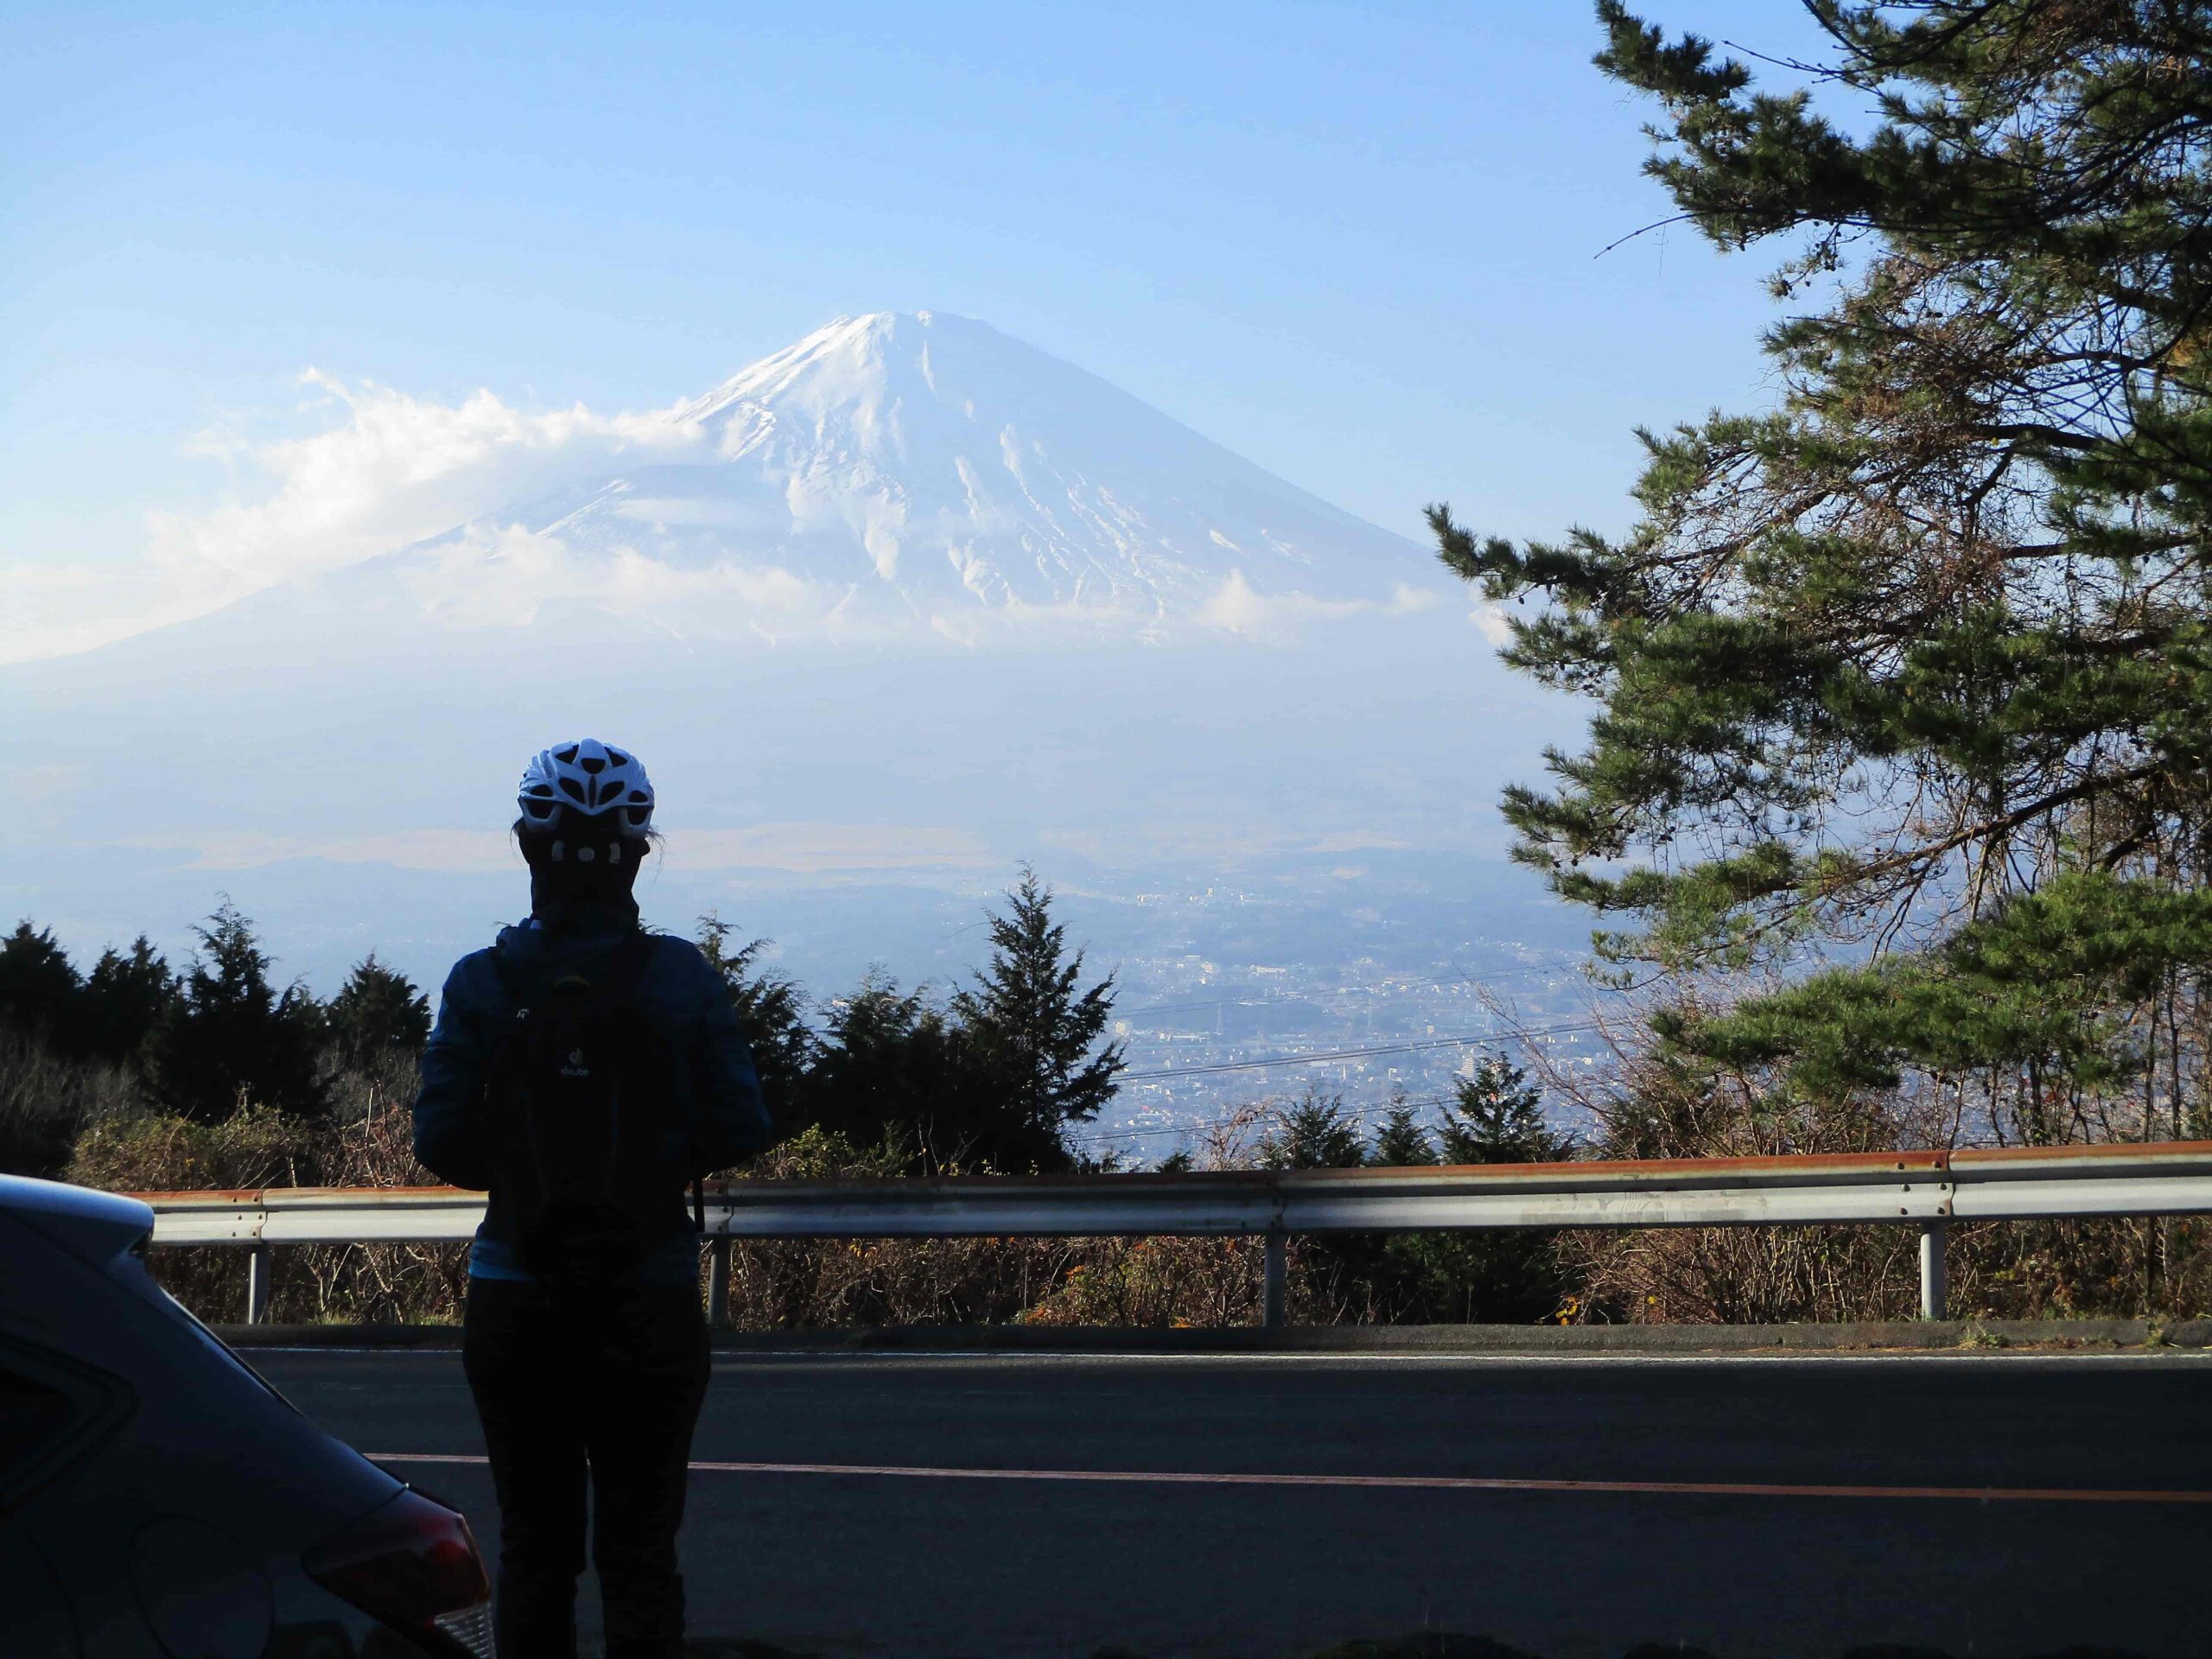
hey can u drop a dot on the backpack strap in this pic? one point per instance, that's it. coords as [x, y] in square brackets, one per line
[628, 967]
[510, 978]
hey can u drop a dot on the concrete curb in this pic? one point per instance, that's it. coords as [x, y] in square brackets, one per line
[1957, 1336]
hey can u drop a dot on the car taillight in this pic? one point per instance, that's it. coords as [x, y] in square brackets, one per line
[412, 1563]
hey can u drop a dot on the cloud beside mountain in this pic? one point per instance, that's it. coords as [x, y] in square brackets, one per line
[887, 472]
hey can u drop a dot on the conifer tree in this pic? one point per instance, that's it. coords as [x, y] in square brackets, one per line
[1909, 679]
[770, 1013]
[40, 987]
[1034, 1032]
[377, 1012]
[125, 998]
[1497, 1116]
[890, 1067]
[1315, 1133]
[1400, 1142]
[232, 1036]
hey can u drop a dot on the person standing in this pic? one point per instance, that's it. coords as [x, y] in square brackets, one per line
[585, 1073]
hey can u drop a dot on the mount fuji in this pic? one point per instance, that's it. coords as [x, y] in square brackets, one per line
[931, 461]
[906, 602]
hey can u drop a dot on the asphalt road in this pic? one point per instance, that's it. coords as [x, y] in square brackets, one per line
[1990, 1505]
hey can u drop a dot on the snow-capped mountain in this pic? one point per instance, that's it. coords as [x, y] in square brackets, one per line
[925, 464]
[906, 603]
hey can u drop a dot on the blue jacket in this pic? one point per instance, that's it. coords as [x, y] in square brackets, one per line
[718, 1090]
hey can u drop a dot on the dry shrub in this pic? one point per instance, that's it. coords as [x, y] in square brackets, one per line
[365, 1139]
[2159, 1268]
[1645, 1105]
[803, 1284]
[1648, 1106]
[46, 1102]
[1164, 1282]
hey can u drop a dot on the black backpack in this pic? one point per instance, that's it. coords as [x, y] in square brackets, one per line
[581, 1109]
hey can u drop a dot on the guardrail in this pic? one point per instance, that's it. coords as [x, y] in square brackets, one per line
[1927, 1190]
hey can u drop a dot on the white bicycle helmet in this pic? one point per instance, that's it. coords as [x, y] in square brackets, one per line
[588, 778]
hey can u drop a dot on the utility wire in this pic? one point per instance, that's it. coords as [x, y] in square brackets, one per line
[1360, 1113]
[1338, 994]
[1327, 1055]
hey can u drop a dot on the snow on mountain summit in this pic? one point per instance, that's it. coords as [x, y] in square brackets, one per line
[930, 464]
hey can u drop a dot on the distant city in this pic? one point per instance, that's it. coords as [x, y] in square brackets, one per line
[1390, 1008]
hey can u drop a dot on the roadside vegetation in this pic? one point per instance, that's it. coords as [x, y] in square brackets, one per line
[117, 1120]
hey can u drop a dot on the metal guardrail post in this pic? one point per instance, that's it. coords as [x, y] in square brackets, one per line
[257, 1285]
[718, 1281]
[1932, 1285]
[1271, 1292]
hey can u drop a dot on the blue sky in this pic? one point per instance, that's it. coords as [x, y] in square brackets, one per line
[1354, 242]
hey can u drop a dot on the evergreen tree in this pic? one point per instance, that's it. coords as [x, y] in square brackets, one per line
[891, 1068]
[376, 1011]
[40, 988]
[771, 1011]
[1497, 1116]
[1493, 1275]
[125, 998]
[1034, 1034]
[1316, 1133]
[1919, 661]
[230, 1035]
[1400, 1142]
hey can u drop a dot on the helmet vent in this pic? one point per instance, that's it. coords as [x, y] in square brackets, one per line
[589, 779]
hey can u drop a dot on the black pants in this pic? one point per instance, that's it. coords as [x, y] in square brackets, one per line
[611, 1381]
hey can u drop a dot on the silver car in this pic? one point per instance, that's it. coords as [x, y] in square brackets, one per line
[158, 1498]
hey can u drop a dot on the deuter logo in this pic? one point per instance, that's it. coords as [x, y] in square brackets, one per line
[576, 1067]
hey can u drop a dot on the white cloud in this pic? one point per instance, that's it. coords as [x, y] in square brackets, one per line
[1236, 606]
[808, 848]
[1492, 621]
[400, 468]
[503, 578]
[394, 471]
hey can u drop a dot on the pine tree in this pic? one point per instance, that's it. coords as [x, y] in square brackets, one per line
[1400, 1142]
[891, 1068]
[1316, 1133]
[1895, 676]
[125, 998]
[1497, 1116]
[770, 1013]
[375, 1013]
[1033, 1034]
[232, 1036]
[40, 988]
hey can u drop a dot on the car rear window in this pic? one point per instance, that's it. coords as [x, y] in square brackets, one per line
[53, 1410]
[33, 1414]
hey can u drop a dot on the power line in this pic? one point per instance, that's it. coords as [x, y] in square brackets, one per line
[1337, 993]
[1327, 1055]
[1360, 1113]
